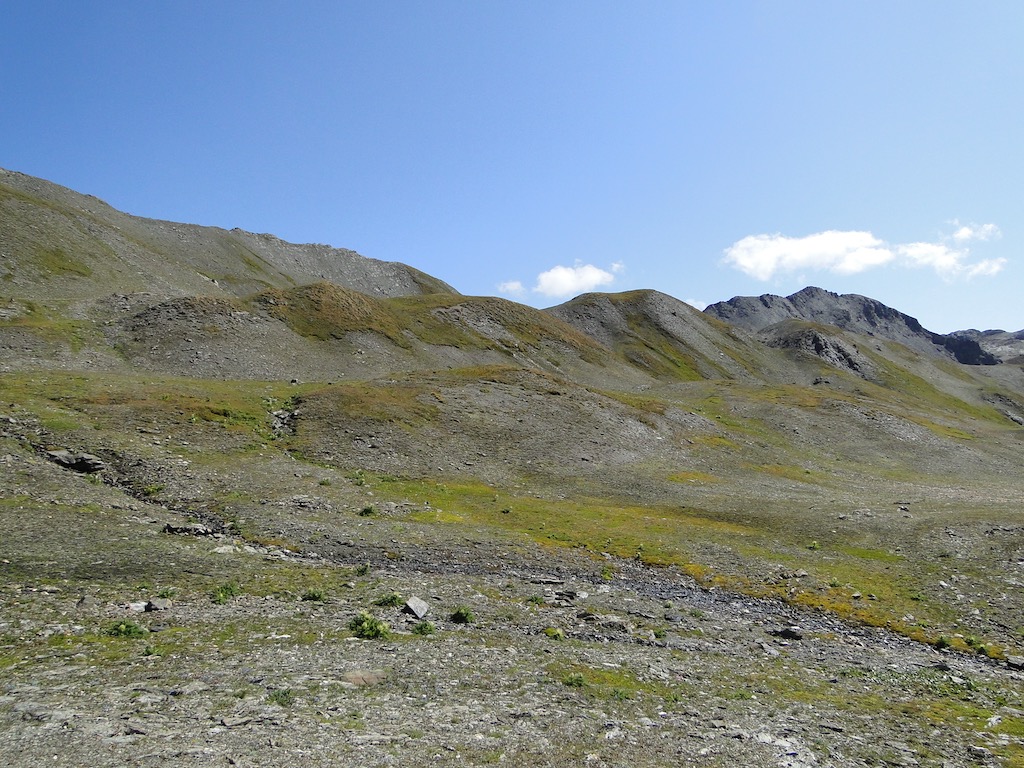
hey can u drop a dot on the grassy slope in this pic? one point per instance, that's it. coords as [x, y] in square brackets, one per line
[743, 522]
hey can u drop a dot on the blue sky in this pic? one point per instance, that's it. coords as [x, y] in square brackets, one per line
[540, 149]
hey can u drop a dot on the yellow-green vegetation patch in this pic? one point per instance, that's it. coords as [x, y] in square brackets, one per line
[714, 441]
[789, 472]
[398, 403]
[641, 403]
[605, 682]
[56, 261]
[692, 476]
[241, 405]
[913, 393]
[868, 553]
[327, 311]
[48, 323]
[657, 535]
[859, 581]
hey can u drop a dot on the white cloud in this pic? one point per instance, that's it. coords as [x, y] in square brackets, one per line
[559, 282]
[511, 288]
[986, 268]
[850, 252]
[938, 256]
[761, 256]
[949, 263]
[967, 232]
[697, 304]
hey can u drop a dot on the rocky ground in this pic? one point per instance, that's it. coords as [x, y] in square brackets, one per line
[134, 633]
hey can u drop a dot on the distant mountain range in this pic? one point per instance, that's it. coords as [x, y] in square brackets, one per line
[869, 317]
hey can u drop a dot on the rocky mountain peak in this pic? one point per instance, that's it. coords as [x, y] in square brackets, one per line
[849, 312]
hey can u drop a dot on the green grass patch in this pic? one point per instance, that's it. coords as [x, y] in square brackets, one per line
[693, 477]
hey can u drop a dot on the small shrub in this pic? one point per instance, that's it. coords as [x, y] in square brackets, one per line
[222, 594]
[166, 593]
[554, 633]
[314, 595]
[535, 600]
[943, 642]
[607, 573]
[152, 490]
[366, 511]
[363, 570]
[125, 629]
[814, 545]
[283, 697]
[462, 615]
[424, 628]
[574, 680]
[368, 627]
[325, 481]
[392, 600]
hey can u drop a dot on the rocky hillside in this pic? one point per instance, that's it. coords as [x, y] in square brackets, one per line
[57, 243]
[274, 504]
[849, 312]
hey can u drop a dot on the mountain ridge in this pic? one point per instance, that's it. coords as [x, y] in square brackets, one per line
[850, 312]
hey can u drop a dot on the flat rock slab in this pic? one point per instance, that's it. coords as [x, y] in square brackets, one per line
[417, 607]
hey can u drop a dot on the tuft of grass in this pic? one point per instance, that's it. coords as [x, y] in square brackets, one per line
[424, 628]
[574, 680]
[223, 594]
[282, 697]
[554, 633]
[390, 600]
[366, 626]
[462, 615]
[314, 595]
[125, 629]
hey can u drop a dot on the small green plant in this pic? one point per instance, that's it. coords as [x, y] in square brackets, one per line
[390, 600]
[125, 629]
[363, 570]
[325, 481]
[574, 680]
[283, 697]
[153, 650]
[152, 490]
[607, 573]
[166, 593]
[535, 600]
[367, 511]
[554, 633]
[314, 595]
[462, 615]
[943, 642]
[424, 628]
[223, 594]
[620, 694]
[814, 545]
[368, 627]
